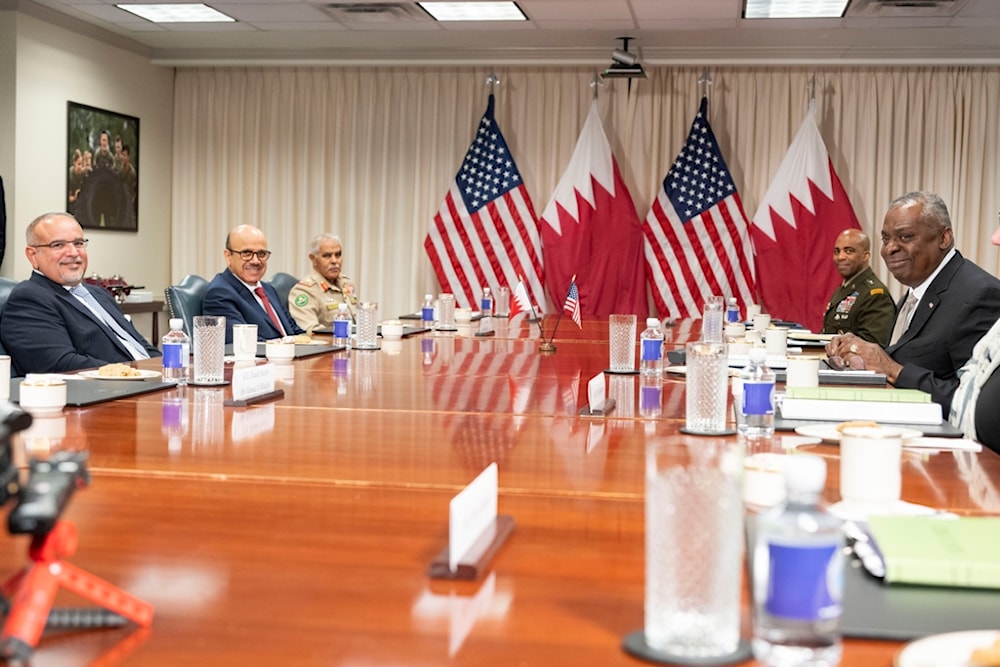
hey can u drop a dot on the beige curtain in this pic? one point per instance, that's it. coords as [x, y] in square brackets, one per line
[369, 153]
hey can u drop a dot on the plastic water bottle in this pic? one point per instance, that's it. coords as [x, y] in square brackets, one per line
[651, 344]
[757, 403]
[176, 353]
[733, 310]
[798, 574]
[427, 311]
[486, 303]
[342, 325]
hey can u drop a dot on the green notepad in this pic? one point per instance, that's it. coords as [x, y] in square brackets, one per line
[962, 552]
[891, 395]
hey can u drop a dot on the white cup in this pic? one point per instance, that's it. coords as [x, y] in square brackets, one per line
[735, 331]
[739, 348]
[279, 352]
[392, 330]
[764, 479]
[463, 315]
[244, 342]
[752, 311]
[776, 341]
[42, 394]
[871, 465]
[802, 372]
[4, 377]
[761, 322]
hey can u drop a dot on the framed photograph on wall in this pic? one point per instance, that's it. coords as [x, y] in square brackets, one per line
[102, 181]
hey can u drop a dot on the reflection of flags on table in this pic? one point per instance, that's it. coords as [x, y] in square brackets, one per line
[591, 224]
[486, 231]
[697, 237]
[795, 228]
[572, 305]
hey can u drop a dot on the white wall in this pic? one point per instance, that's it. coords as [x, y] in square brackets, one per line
[7, 128]
[54, 66]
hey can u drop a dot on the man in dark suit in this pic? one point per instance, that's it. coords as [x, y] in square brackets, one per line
[240, 293]
[949, 305]
[54, 322]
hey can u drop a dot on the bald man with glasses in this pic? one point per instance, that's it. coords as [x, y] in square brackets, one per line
[54, 322]
[240, 293]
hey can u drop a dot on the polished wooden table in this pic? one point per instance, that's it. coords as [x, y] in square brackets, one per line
[300, 531]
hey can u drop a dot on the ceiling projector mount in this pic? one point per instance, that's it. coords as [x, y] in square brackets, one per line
[624, 64]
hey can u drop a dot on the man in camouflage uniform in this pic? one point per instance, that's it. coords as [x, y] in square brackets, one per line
[862, 304]
[314, 300]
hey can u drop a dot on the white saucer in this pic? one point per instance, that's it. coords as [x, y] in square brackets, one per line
[855, 511]
[951, 649]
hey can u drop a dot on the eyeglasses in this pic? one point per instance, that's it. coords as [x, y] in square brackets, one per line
[59, 246]
[247, 255]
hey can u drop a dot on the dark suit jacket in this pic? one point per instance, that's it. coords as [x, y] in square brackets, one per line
[958, 308]
[47, 330]
[227, 296]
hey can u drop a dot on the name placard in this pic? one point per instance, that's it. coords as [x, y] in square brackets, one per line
[595, 391]
[251, 381]
[471, 512]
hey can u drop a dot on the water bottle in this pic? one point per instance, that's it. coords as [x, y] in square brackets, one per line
[651, 343]
[733, 310]
[757, 403]
[176, 353]
[342, 325]
[798, 574]
[486, 303]
[427, 311]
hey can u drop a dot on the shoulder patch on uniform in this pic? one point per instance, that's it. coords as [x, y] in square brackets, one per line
[307, 282]
[301, 299]
[877, 290]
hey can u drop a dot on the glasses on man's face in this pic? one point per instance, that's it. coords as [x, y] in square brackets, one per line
[59, 246]
[247, 255]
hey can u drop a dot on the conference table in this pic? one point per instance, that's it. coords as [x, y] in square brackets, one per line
[300, 530]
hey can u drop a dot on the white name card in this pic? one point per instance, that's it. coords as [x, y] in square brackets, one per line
[472, 512]
[595, 392]
[252, 381]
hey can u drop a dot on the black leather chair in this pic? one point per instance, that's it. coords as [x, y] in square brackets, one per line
[185, 298]
[6, 285]
[283, 284]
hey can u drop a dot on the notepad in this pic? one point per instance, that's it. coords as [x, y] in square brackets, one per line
[963, 552]
[891, 395]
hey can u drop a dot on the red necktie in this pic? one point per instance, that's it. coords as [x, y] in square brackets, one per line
[259, 291]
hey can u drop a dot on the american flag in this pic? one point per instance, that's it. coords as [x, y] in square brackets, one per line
[697, 235]
[486, 231]
[572, 305]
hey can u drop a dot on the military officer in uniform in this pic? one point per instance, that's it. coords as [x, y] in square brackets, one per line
[314, 300]
[862, 304]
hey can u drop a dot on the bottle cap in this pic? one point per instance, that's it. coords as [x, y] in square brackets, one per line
[342, 306]
[428, 297]
[757, 355]
[804, 473]
[652, 322]
[176, 324]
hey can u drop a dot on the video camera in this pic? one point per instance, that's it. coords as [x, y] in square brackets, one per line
[50, 483]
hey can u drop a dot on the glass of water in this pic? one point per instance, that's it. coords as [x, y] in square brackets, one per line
[621, 343]
[446, 312]
[209, 348]
[712, 320]
[367, 315]
[707, 387]
[694, 547]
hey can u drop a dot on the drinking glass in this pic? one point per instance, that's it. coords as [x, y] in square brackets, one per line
[621, 341]
[501, 303]
[446, 312]
[209, 348]
[367, 315]
[694, 546]
[707, 387]
[712, 320]
[245, 342]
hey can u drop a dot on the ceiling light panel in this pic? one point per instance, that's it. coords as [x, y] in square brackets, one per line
[178, 13]
[474, 11]
[794, 9]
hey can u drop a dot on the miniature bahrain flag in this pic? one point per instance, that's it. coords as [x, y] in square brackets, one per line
[591, 227]
[795, 228]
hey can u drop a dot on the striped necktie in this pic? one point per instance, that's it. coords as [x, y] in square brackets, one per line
[259, 291]
[136, 349]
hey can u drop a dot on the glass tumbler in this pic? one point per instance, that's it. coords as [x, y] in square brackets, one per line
[209, 348]
[367, 316]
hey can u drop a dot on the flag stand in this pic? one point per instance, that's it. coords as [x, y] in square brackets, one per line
[547, 346]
